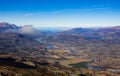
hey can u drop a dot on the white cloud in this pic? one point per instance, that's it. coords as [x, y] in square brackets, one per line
[29, 14]
[28, 29]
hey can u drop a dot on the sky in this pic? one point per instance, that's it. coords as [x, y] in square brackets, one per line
[61, 13]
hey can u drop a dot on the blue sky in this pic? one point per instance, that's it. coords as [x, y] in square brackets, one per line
[61, 13]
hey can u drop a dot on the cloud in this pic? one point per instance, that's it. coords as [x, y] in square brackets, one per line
[98, 6]
[29, 14]
[27, 29]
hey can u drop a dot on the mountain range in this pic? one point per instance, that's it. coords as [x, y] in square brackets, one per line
[31, 48]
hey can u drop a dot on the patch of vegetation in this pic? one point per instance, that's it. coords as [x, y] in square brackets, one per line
[79, 65]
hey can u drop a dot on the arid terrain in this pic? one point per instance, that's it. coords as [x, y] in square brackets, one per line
[73, 52]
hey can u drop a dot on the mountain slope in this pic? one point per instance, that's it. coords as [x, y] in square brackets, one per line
[7, 26]
[16, 43]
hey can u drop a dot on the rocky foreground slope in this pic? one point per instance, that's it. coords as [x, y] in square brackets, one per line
[17, 66]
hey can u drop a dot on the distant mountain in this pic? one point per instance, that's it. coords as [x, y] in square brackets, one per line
[78, 31]
[115, 28]
[107, 32]
[19, 40]
[27, 30]
[7, 26]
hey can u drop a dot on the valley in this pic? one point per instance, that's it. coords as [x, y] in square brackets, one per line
[74, 52]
